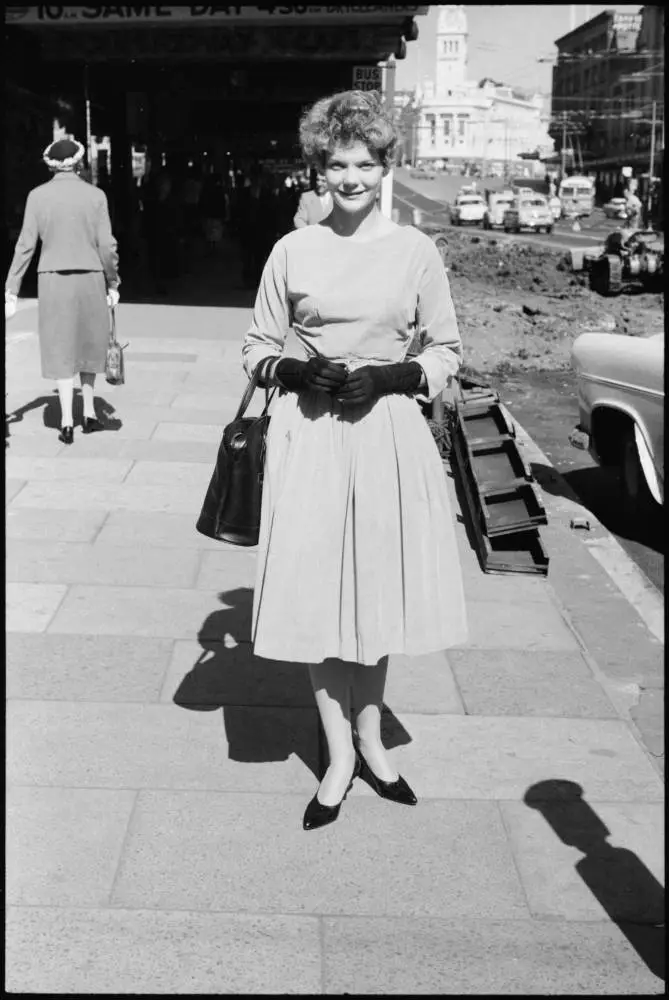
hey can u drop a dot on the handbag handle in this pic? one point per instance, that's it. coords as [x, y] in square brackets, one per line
[113, 342]
[250, 389]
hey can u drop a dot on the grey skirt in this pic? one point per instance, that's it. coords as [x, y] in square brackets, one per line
[73, 322]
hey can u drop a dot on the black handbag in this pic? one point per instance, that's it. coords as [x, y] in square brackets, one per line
[231, 508]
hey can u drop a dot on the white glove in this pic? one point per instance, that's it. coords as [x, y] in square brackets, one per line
[112, 298]
[10, 304]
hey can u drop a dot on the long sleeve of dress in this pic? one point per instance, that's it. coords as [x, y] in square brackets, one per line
[106, 244]
[441, 356]
[25, 247]
[272, 313]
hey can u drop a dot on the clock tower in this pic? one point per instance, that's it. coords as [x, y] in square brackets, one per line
[451, 48]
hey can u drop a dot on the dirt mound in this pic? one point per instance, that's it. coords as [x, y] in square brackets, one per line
[520, 308]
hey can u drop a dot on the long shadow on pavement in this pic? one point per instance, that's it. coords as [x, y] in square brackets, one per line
[51, 413]
[628, 892]
[258, 697]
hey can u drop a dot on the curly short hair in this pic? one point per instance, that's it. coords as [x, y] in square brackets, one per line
[343, 119]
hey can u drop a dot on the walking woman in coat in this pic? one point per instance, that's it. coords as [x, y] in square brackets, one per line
[77, 278]
[357, 556]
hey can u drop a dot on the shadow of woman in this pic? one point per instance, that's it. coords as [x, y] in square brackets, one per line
[268, 706]
[628, 892]
[51, 417]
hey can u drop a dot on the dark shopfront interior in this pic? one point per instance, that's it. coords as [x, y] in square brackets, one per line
[212, 99]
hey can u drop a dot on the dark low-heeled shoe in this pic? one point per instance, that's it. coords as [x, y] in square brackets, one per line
[91, 424]
[66, 435]
[396, 791]
[316, 814]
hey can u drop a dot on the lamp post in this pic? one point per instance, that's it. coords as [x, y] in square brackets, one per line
[389, 101]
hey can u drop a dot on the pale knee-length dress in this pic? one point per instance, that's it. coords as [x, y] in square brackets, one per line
[357, 555]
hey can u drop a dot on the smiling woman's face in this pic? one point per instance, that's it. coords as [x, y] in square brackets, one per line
[354, 174]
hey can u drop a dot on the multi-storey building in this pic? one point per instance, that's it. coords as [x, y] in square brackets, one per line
[461, 121]
[607, 74]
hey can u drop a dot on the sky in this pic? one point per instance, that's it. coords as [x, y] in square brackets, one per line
[504, 42]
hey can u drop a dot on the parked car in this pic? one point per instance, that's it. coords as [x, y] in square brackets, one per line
[616, 208]
[498, 202]
[528, 212]
[620, 383]
[423, 173]
[468, 208]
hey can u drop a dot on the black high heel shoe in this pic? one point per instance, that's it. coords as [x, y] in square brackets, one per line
[396, 791]
[316, 814]
[66, 435]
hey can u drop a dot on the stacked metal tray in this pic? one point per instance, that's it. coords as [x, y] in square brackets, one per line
[502, 505]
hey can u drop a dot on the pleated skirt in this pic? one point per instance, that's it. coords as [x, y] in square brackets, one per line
[357, 554]
[73, 322]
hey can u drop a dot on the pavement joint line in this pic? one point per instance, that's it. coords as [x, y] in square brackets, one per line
[611, 556]
[121, 852]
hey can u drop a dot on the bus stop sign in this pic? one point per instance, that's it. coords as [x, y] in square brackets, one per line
[367, 78]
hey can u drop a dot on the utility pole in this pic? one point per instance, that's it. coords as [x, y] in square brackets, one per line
[651, 167]
[563, 150]
[389, 100]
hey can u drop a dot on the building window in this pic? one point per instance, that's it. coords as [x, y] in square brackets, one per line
[462, 123]
[447, 127]
[432, 125]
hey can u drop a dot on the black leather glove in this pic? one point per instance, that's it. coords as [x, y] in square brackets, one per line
[316, 373]
[371, 381]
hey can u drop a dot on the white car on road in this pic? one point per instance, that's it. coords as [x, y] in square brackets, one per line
[468, 208]
[621, 406]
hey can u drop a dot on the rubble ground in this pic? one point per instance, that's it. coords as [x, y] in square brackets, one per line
[520, 308]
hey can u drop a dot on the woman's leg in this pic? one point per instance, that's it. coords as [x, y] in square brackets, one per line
[331, 681]
[65, 388]
[369, 684]
[88, 394]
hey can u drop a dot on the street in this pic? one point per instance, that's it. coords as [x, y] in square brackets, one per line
[544, 402]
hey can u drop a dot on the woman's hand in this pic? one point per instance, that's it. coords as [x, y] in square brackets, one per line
[317, 374]
[371, 381]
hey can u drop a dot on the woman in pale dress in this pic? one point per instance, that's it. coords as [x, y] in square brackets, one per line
[357, 556]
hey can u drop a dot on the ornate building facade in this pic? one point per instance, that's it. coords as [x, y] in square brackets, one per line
[484, 124]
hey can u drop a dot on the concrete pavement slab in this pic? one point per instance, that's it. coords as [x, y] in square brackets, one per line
[145, 472]
[213, 402]
[203, 433]
[423, 684]
[170, 614]
[452, 957]
[169, 414]
[104, 470]
[45, 445]
[161, 357]
[85, 667]
[29, 607]
[227, 570]
[220, 852]
[116, 446]
[503, 589]
[535, 626]
[97, 745]
[74, 951]
[523, 682]
[202, 347]
[64, 844]
[465, 757]
[12, 488]
[174, 531]
[60, 525]
[590, 860]
[77, 495]
[231, 675]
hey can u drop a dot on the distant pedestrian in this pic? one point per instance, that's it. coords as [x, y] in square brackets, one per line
[314, 205]
[633, 206]
[77, 278]
[357, 555]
